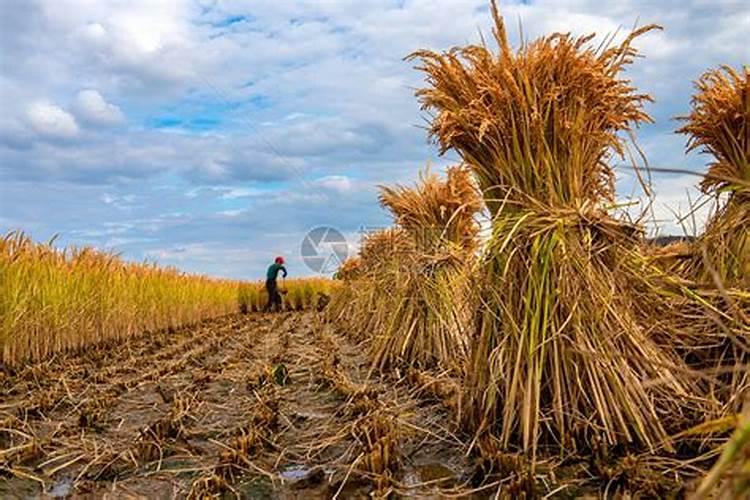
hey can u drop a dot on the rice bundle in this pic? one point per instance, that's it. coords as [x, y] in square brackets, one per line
[368, 283]
[558, 354]
[715, 328]
[431, 307]
[438, 214]
[719, 124]
[730, 475]
[349, 269]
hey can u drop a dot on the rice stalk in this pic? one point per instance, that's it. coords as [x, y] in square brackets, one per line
[719, 125]
[432, 304]
[558, 353]
[718, 264]
[53, 300]
[358, 303]
[732, 467]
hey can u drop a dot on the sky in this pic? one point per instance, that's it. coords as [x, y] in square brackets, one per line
[212, 135]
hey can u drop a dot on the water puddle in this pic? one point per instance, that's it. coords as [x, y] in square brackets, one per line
[302, 476]
[432, 473]
[61, 488]
[295, 472]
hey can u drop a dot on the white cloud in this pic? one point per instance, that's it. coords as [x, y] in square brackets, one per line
[294, 112]
[93, 31]
[91, 107]
[51, 120]
[339, 183]
[234, 193]
[232, 213]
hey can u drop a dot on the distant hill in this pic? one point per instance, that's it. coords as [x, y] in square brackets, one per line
[663, 241]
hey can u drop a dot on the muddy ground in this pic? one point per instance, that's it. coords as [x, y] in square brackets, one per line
[255, 406]
[263, 406]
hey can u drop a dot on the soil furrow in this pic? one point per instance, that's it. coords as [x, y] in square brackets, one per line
[255, 405]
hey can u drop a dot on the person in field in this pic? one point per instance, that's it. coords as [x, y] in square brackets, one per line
[272, 287]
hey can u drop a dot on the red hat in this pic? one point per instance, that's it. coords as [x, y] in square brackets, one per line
[279, 260]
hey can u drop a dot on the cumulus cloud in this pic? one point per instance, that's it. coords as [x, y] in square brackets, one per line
[51, 120]
[339, 183]
[91, 107]
[254, 117]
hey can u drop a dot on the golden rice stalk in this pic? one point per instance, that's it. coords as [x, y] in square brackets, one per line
[437, 213]
[558, 354]
[718, 265]
[357, 305]
[733, 467]
[431, 306]
[298, 294]
[384, 249]
[536, 125]
[350, 269]
[719, 124]
[52, 300]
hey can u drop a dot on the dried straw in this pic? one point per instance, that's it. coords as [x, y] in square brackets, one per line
[719, 124]
[558, 355]
[431, 295]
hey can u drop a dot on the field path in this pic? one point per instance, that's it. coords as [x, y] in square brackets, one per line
[253, 406]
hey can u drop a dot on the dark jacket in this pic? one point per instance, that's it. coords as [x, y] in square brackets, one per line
[273, 271]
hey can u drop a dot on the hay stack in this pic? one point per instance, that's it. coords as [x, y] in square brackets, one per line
[715, 328]
[719, 124]
[431, 295]
[558, 355]
[368, 281]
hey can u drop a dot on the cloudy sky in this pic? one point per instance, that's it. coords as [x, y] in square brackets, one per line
[212, 135]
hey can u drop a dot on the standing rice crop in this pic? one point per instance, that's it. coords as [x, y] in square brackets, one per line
[558, 355]
[52, 300]
[299, 294]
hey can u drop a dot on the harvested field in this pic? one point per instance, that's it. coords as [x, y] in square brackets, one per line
[251, 405]
[257, 406]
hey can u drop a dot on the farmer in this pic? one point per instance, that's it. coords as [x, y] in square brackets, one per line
[274, 297]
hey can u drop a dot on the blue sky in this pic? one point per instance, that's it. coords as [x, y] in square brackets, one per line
[212, 135]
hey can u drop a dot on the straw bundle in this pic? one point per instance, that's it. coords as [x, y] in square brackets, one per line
[730, 475]
[438, 214]
[350, 269]
[432, 310]
[719, 124]
[558, 352]
[368, 283]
